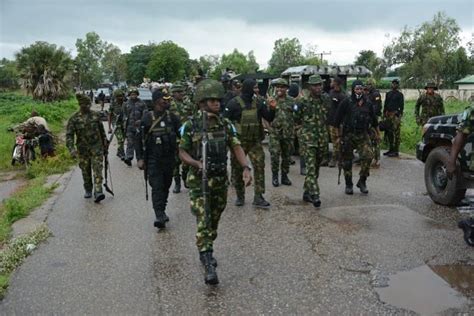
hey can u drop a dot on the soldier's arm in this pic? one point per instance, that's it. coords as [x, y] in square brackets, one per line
[185, 146]
[402, 104]
[143, 130]
[266, 112]
[70, 135]
[417, 106]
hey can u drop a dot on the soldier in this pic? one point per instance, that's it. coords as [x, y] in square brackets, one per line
[156, 149]
[357, 116]
[431, 104]
[310, 112]
[115, 119]
[133, 114]
[221, 135]
[184, 109]
[281, 134]
[376, 99]
[393, 112]
[337, 95]
[232, 92]
[86, 129]
[246, 112]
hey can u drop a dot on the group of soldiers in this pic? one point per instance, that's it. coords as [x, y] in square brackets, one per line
[188, 138]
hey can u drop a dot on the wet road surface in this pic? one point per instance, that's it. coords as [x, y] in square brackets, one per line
[289, 259]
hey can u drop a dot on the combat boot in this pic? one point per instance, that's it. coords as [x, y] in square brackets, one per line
[275, 180]
[160, 220]
[98, 196]
[316, 200]
[284, 179]
[349, 186]
[128, 162]
[211, 274]
[307, 197]
[213, 260]
[362, 185]
[88, 195]
[259, 201]
[240, 200]
[177, 184]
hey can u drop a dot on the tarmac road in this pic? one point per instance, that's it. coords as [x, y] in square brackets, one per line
[289, 259]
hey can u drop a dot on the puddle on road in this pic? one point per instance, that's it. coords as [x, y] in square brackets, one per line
[429, 290]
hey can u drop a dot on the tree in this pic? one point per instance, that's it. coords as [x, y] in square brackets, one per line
[168, 61]
[137, 61]
[238, 62]
[89, 55]
[423, 52]
[9, 77]
[45, 71]
[286, 53]
[311, 57]
[370, 60]
[208, 64]
[114, 65]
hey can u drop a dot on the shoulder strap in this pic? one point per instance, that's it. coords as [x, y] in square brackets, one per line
[155, 121]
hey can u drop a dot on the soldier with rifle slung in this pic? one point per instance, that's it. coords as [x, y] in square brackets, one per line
[156, 152]
[116, 119]
[203, 146]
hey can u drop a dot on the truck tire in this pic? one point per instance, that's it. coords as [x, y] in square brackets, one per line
[442, 190]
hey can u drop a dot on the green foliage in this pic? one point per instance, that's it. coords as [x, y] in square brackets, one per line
[45, 71]
[370, 60]
[89, 55]
[286, 53]
[137, 61]
[237, 61]
[9, 77]
[114, 65]
[168, 61]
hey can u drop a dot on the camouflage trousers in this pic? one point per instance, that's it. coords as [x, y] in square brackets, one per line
[120, 136]
[313, 157]
[334, 137]
[393, 126]
[180, 169]
[257, 158]
[91, 167]
[375, 144]
[361, 143]
[207, 230]
[280, 146]
[130, 153]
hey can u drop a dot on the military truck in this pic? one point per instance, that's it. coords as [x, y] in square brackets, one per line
[433, 150]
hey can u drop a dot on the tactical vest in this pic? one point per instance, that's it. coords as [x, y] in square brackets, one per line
[360, 117]
[249, 128]
[216, 149]
[161, 135]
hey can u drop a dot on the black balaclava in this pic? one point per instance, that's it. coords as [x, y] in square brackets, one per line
[247, 90]
[294, 90]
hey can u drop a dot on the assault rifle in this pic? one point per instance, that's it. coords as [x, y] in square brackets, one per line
[145, 171]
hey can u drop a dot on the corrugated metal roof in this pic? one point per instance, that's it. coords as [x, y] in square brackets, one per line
[348, 70]
[468, 79]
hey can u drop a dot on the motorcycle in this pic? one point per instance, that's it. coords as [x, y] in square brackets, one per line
[467, 225]
[24, 150]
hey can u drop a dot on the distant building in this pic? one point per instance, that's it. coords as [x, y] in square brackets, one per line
[466, 83]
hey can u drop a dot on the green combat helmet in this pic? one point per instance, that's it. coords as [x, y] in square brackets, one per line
[280, 82]
[431, 85]
[208, 89]
[118, 93]
[177, 87]
[315, 79]
[133, 90]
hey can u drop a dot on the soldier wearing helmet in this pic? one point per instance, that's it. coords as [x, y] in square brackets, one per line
[356, 115]
[116, 119]
[430, 104]
[133, 114]
[221, 136]
[310, 111]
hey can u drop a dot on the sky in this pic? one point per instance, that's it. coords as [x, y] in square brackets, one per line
[340, 28]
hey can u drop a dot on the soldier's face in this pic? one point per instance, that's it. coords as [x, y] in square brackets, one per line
[256, 90]
[315, 89]
[213, 105]
[133, 96]
[281, 90]
[358, 90]
[394, 85]
[430, 91]
[119, 99]
[178, 95]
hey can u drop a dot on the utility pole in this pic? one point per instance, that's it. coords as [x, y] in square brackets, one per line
[322, 54]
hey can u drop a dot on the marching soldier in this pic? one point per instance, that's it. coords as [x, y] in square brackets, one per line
[133, 112]
[376, 99]
[393, 112]
[115, 120]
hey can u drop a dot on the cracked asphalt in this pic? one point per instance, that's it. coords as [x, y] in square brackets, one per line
[289, 259]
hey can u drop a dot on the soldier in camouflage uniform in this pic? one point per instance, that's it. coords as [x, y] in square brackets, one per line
[221, 136]
[184, 109]
[85, 139]
[376, 99]
[281, 133]
[133, 113]
[115, 120]
[431, 104]
[246, 112]
[393, 113]
[357, 116]
[310, 112]
[337, 95]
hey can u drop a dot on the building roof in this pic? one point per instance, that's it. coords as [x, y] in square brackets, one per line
[467, 79]
[258, 75]
[348, 70]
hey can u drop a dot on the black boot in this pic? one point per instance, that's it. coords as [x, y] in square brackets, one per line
[183, 177]
[128, 161]
[98, 196]
[161, 219]
[302, 167]
[362, 185]
[349, 186]
[88, 195]
[259, 201]
[240, 200]
[275, 180]
[284, 179]
[316, 200]
[213, 260]
[177, 184]
[307, 197]
[211, 275]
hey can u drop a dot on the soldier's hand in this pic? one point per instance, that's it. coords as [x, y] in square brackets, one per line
[141, 164]
[271, 102]
[73, 154]
[247, 177]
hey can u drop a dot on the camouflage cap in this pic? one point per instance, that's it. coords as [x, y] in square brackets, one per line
[208, 89]
[370, 81]
[431, 85]
[177, 87]
[118, 93]
[280, 82]
[133, 90]
[83, 99]
[315, 79]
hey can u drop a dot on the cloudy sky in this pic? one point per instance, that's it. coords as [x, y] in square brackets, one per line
[341, 27]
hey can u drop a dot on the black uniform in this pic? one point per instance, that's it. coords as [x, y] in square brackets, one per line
[159, 132]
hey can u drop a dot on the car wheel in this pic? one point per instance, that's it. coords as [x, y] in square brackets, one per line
[442, 190]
